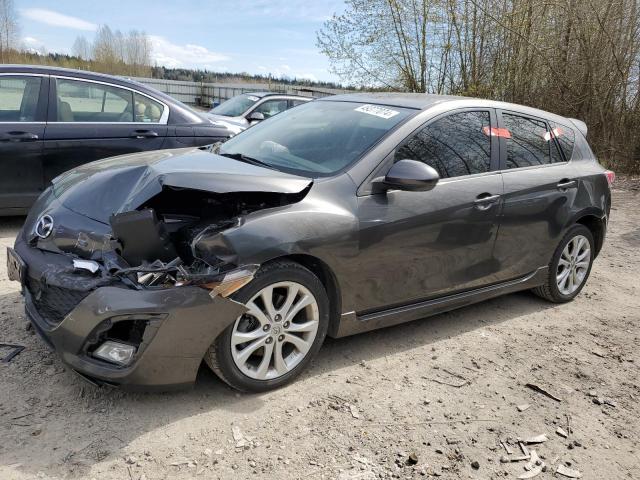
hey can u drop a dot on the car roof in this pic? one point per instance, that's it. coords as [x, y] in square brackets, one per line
[419, 101]
[178, 108]
[276, 94]
[85, 75]
[46, 70]
[425, 101]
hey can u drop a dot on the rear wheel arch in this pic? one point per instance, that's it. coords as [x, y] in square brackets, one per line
[553, 287]
[597, 227]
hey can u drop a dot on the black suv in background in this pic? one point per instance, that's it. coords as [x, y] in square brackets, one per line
[54, 119]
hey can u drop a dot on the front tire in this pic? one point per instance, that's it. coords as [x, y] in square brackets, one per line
[285, 326]
[570, 266]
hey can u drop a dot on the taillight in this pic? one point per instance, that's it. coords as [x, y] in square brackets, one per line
[611, 176]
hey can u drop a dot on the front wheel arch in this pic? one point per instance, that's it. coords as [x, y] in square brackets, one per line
[221, 357]
[328, 278]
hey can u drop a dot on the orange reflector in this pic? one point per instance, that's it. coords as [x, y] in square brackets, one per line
[496, 132]
[232, 281]
[556, 132]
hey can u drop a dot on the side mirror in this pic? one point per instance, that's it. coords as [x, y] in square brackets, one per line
[255, 117]
[411, 175]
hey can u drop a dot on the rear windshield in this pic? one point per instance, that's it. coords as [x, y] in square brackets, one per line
[318, 138]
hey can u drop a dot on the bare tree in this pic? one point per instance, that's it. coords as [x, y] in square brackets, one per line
[104, 50]
[580, 58]
[118, 53]
[9, 29]
[81, 48]
[137, 53]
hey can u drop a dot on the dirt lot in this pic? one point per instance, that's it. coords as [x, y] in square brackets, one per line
[445, 390]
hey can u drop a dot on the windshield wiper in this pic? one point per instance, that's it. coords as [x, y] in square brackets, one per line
[244, 158]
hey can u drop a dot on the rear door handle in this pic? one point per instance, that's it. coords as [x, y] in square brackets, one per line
[565, 183]
[143, 134]
[19, 137]
[484, 201]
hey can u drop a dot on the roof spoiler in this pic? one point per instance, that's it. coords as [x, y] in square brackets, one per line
[580, 125]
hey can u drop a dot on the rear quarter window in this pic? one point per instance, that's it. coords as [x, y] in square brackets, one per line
[566, 138]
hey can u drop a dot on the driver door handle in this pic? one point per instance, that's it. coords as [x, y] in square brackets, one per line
[143, 134]
[19, 137]
[484, 201]
[565, 183]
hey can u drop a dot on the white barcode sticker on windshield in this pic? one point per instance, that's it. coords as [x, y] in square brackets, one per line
[253, 98]
[378, 111]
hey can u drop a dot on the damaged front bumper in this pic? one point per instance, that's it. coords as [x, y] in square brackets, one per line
[173, 327]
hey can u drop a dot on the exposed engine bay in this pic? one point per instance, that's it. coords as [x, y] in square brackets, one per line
[159, 244]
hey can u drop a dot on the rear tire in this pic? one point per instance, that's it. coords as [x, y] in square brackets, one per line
[570, 266]
[283, 330]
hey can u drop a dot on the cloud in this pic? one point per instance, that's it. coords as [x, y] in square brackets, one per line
[33, 45]
[172, 55]
[49, 17]
[285, 72]
[307, 76]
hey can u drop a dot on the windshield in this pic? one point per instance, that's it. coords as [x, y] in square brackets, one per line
[317, 138]
[236, 106]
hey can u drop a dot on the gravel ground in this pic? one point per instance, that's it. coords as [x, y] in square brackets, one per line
[429, 398]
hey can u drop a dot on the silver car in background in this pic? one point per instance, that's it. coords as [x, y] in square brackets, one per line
[240, 112]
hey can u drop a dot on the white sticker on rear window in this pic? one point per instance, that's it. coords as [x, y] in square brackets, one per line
[253, 99]
[377, 111]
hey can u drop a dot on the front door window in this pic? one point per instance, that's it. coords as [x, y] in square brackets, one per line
[271, 108]
[458, 144]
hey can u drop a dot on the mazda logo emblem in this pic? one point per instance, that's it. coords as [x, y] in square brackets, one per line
[44, 227]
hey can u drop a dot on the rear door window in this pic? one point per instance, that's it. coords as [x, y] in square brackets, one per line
[528, 141]
[19, 98]
[455, 145]
[79, 101]
[531, 141]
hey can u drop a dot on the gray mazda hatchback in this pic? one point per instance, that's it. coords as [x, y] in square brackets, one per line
[339, 216]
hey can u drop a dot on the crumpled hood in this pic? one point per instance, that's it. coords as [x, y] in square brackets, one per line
[119, 184]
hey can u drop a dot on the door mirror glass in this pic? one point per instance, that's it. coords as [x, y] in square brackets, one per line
[411, 175]
[255, 117]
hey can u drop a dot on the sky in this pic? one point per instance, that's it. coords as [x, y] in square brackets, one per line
[253, 36]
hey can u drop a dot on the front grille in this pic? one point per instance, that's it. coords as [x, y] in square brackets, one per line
[53, 303]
